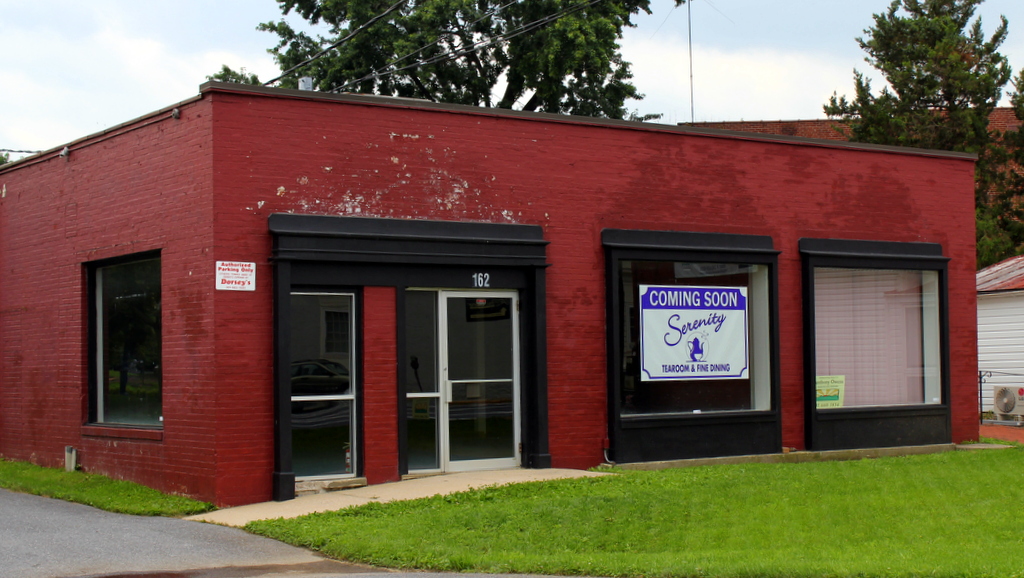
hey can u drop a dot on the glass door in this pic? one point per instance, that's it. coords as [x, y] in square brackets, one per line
[480, 379]
[462, 387]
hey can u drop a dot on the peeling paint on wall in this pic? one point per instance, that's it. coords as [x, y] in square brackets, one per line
[425, 179]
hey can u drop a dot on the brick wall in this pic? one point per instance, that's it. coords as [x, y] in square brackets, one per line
[380, 385]
[1003, 119]
[814, 128]
[137, 188]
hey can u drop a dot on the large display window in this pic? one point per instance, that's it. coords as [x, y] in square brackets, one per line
[695, 337]
[876, 337]
[693, 345]
[876, 344]
[126, 339]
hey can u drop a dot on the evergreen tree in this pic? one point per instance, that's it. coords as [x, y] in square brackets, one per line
[944, 79]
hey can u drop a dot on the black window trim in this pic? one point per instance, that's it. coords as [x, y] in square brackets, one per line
[356, 348]
[864, 254]
[685, 246]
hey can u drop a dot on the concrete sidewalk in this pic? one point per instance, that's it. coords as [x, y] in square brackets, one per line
[404, 490]
[458, 482]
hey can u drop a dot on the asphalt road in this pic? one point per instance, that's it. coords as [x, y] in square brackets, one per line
[45, 538]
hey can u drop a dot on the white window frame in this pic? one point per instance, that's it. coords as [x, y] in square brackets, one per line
[352, 371]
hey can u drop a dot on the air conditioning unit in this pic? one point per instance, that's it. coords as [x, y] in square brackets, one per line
[1008, 400]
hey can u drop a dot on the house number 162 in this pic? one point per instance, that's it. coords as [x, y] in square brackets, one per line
[481, 279]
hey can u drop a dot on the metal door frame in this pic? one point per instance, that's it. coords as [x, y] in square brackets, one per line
[445, 385]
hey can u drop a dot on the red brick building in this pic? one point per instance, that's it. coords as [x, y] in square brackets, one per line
[259, 287]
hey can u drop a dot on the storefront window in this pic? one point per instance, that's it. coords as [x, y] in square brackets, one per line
[695, 337]
[323, 385]
[127, 340]
[423, 397]
[876, 337]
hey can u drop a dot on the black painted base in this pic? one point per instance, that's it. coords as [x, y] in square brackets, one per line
[538, 461]
[284, 486]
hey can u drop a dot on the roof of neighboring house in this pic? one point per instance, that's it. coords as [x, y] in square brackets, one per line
[1001, 118]
[1007, 275]
[822, 128]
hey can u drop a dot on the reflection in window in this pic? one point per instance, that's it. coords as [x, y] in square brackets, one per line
[876, 337]
[421, 342]
[128, 343]
[323, 384]
[335, 331]
[479, 338]
[642, 395]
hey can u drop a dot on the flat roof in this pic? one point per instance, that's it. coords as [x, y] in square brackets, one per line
[418, 104]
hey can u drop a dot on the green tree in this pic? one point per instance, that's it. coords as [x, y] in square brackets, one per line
[4, 158]
[226, 74]
[944, 78]
[557, 56]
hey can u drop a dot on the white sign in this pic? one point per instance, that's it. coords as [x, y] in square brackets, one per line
[236, 276]
[690, 332]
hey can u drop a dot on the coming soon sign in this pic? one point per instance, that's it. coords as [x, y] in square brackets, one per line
[693, 332]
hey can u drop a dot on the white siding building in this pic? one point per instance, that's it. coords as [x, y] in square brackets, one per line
[1001, 326]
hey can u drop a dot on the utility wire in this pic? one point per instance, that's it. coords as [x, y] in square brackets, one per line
[529, 27]
[667, 16]
[19, 152]
[366, 25]
[475, 47]
[487, 14]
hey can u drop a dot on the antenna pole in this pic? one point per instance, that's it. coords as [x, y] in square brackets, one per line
[689, 40]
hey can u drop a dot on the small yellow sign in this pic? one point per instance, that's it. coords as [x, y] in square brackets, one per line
[829, 390]
[421, 408]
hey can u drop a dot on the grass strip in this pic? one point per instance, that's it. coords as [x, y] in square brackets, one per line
[985, 440]
[949, 514]
[95, 490]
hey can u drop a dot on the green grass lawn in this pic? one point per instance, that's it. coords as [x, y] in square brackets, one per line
[950, 514]
[94, 490]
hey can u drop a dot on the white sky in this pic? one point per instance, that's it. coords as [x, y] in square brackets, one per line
[69, 68]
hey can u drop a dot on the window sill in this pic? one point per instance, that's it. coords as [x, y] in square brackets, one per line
[123, 432]
[880, 411]
[690, 418]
